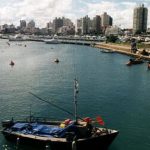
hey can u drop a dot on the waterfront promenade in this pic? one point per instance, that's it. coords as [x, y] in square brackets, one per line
[120, 49]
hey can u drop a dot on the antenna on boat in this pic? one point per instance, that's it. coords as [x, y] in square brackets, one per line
[60, 108]
[30, 113]
[52, 104]
[76, 91]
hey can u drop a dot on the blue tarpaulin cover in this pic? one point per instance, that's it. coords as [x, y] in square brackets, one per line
[43, 129]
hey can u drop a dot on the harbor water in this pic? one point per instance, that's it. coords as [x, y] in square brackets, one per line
[118, 93]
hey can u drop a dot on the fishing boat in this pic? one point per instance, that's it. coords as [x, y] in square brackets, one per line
[134, 62]
[77, 134]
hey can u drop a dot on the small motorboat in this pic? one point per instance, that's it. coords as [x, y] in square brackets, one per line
[56, 60]
[134, 62]
[12, 63]
[107, 51]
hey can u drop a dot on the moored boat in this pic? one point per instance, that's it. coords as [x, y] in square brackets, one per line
[107, 51]
[49, 133]
[134, 62]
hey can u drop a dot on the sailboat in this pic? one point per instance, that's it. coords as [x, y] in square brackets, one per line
[77, 134]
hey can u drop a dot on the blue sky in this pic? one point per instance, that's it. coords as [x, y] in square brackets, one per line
[11, 11]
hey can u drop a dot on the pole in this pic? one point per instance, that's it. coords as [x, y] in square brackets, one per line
[76, 91]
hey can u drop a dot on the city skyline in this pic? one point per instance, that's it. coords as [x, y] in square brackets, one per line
[12, 11]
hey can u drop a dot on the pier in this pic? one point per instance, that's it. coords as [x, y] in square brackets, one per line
[88, 43]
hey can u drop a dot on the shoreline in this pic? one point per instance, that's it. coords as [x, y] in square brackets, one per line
[122, 49]
[126, 50]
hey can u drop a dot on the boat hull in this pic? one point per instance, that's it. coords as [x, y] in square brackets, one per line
[93, 143]
[52, 41]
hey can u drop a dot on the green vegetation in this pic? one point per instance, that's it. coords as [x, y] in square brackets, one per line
[140, 45]
[111, 38]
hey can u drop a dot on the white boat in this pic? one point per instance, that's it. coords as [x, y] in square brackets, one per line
[52, 41]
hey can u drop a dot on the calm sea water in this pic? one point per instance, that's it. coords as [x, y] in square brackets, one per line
[109, 88]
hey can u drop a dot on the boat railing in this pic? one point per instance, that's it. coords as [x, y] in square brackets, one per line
[41, 120]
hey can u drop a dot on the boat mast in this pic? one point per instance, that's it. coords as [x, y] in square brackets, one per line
[76, 91]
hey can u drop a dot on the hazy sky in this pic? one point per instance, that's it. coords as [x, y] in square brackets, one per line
[12, 11]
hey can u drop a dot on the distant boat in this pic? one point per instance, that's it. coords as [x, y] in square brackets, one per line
[12, 63]
[52, 41]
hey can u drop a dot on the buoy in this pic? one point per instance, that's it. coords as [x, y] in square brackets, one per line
[12, 63]
[56, 60]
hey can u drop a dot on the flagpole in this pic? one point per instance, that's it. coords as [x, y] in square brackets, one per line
[75, 97]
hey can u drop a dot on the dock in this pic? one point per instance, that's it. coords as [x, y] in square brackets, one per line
[77, 42]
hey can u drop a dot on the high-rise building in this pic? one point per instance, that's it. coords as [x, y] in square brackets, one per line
[85, 25]
[140, 19]
[63, 26]
[49, 25]
[79, 26]
[31, 24]
[22, 24]
[97, 24]
[57, 23]
[106, 20]
[67, 22]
